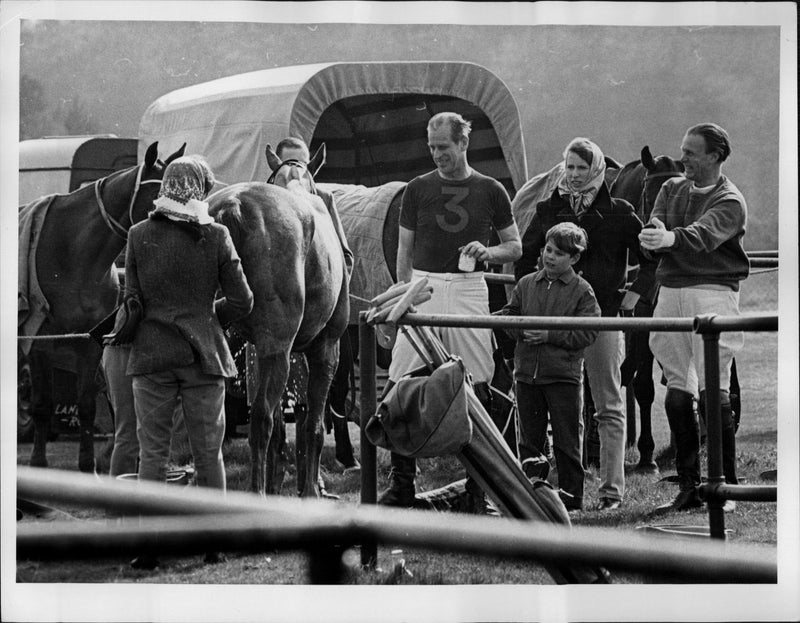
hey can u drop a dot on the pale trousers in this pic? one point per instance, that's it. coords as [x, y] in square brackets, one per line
[680, 354]
[602, 361]
[203, 396]
[453, 293]
[120, 394]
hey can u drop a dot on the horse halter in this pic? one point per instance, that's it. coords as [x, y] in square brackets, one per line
[299, 164]
[114, 225]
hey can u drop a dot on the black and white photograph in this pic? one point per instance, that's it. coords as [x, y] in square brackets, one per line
[399, 311]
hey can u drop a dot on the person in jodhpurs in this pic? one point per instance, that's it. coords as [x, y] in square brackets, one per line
[696, 231]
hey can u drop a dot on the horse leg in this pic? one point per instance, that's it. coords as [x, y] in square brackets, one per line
[645, 396]
[272, 371]
[87, 394]
[41, 405]
[323, 357]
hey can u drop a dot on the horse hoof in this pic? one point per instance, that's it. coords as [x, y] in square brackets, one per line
[644, 467]
[38, 461]
[87, 466]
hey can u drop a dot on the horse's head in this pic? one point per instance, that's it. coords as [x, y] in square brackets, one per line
[658, 170]
[293, 173]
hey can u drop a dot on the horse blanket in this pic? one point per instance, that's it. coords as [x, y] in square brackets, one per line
[32, 307]
[363, 211]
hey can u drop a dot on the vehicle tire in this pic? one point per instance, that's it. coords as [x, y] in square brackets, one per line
[24, 417]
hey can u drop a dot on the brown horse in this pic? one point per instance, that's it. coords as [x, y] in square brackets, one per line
[81, 236]
[638, 183]
[294, 263]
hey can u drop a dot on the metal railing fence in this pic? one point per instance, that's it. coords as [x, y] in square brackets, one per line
[714, 490]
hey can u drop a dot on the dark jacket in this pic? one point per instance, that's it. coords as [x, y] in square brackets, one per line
[177, 278]
[560, 358]
[613, 231]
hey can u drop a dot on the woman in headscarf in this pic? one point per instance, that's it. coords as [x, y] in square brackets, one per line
[612, 227]
[176, 262]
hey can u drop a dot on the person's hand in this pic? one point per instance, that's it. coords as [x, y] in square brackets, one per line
[477, 250]
[656, 237]
[629, 301]
[534, 336]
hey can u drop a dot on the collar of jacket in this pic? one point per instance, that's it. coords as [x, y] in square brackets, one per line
[566, 277]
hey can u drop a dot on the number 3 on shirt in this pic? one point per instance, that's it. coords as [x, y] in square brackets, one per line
[453, 206]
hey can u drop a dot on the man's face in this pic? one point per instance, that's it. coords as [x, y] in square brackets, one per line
[294, 153]
[699, 165]
[448, 156]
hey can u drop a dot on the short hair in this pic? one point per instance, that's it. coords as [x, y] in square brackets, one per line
[290, 142]
[568, 237]
[582, 147]
[459, 127]
[717, 139]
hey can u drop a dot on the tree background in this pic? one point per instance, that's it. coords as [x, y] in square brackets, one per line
[624, 87]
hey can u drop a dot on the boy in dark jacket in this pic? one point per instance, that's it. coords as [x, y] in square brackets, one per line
[548, 364]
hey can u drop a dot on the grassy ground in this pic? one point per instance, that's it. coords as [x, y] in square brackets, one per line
[750, 523]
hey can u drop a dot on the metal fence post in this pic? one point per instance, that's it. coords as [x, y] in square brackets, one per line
[716, 515]
[369, 403]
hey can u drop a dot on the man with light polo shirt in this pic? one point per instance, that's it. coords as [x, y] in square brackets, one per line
[446, 222]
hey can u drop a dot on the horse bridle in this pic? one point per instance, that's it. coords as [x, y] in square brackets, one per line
[292, 162]
[115, 226]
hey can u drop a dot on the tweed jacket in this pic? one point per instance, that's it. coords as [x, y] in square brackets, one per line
[177, 279]
[613, 231]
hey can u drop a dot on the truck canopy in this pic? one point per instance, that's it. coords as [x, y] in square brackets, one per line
[61, 164]
[372, 116]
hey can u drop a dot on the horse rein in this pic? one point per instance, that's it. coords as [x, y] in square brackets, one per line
[115, 226]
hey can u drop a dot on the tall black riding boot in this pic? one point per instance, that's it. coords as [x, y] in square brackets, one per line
[401, 490]
[684, 426]
[728, 443]
[727, 418]
[476, 503]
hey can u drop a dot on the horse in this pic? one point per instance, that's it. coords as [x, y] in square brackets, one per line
[638, 183]
[293, 260]
[72, 265]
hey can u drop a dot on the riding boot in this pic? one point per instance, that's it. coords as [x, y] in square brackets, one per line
[683, 424]
[728, 444]
[401, 490]
[476, 503]
[728, 435]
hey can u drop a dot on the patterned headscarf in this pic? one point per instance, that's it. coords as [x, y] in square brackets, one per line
[186, 184]
[581, 198]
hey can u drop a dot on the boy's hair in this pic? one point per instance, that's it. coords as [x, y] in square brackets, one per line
[568, 237]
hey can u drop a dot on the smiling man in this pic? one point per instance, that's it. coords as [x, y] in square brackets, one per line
[696, 231]
[446, 221]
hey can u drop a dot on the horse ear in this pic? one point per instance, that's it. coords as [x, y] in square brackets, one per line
[611, 163]
[151, 156]
[176, 155]
[318, 160]
[679, 166]
[272, 158]
[647, 158]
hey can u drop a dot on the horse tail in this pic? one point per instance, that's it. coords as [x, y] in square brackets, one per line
[227, 211]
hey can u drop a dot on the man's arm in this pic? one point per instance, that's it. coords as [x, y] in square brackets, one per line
[405, 254]
[509, 249]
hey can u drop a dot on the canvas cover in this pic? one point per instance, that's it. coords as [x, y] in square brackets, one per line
[371, 115]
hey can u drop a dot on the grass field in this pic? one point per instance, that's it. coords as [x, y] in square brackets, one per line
[751, 522]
